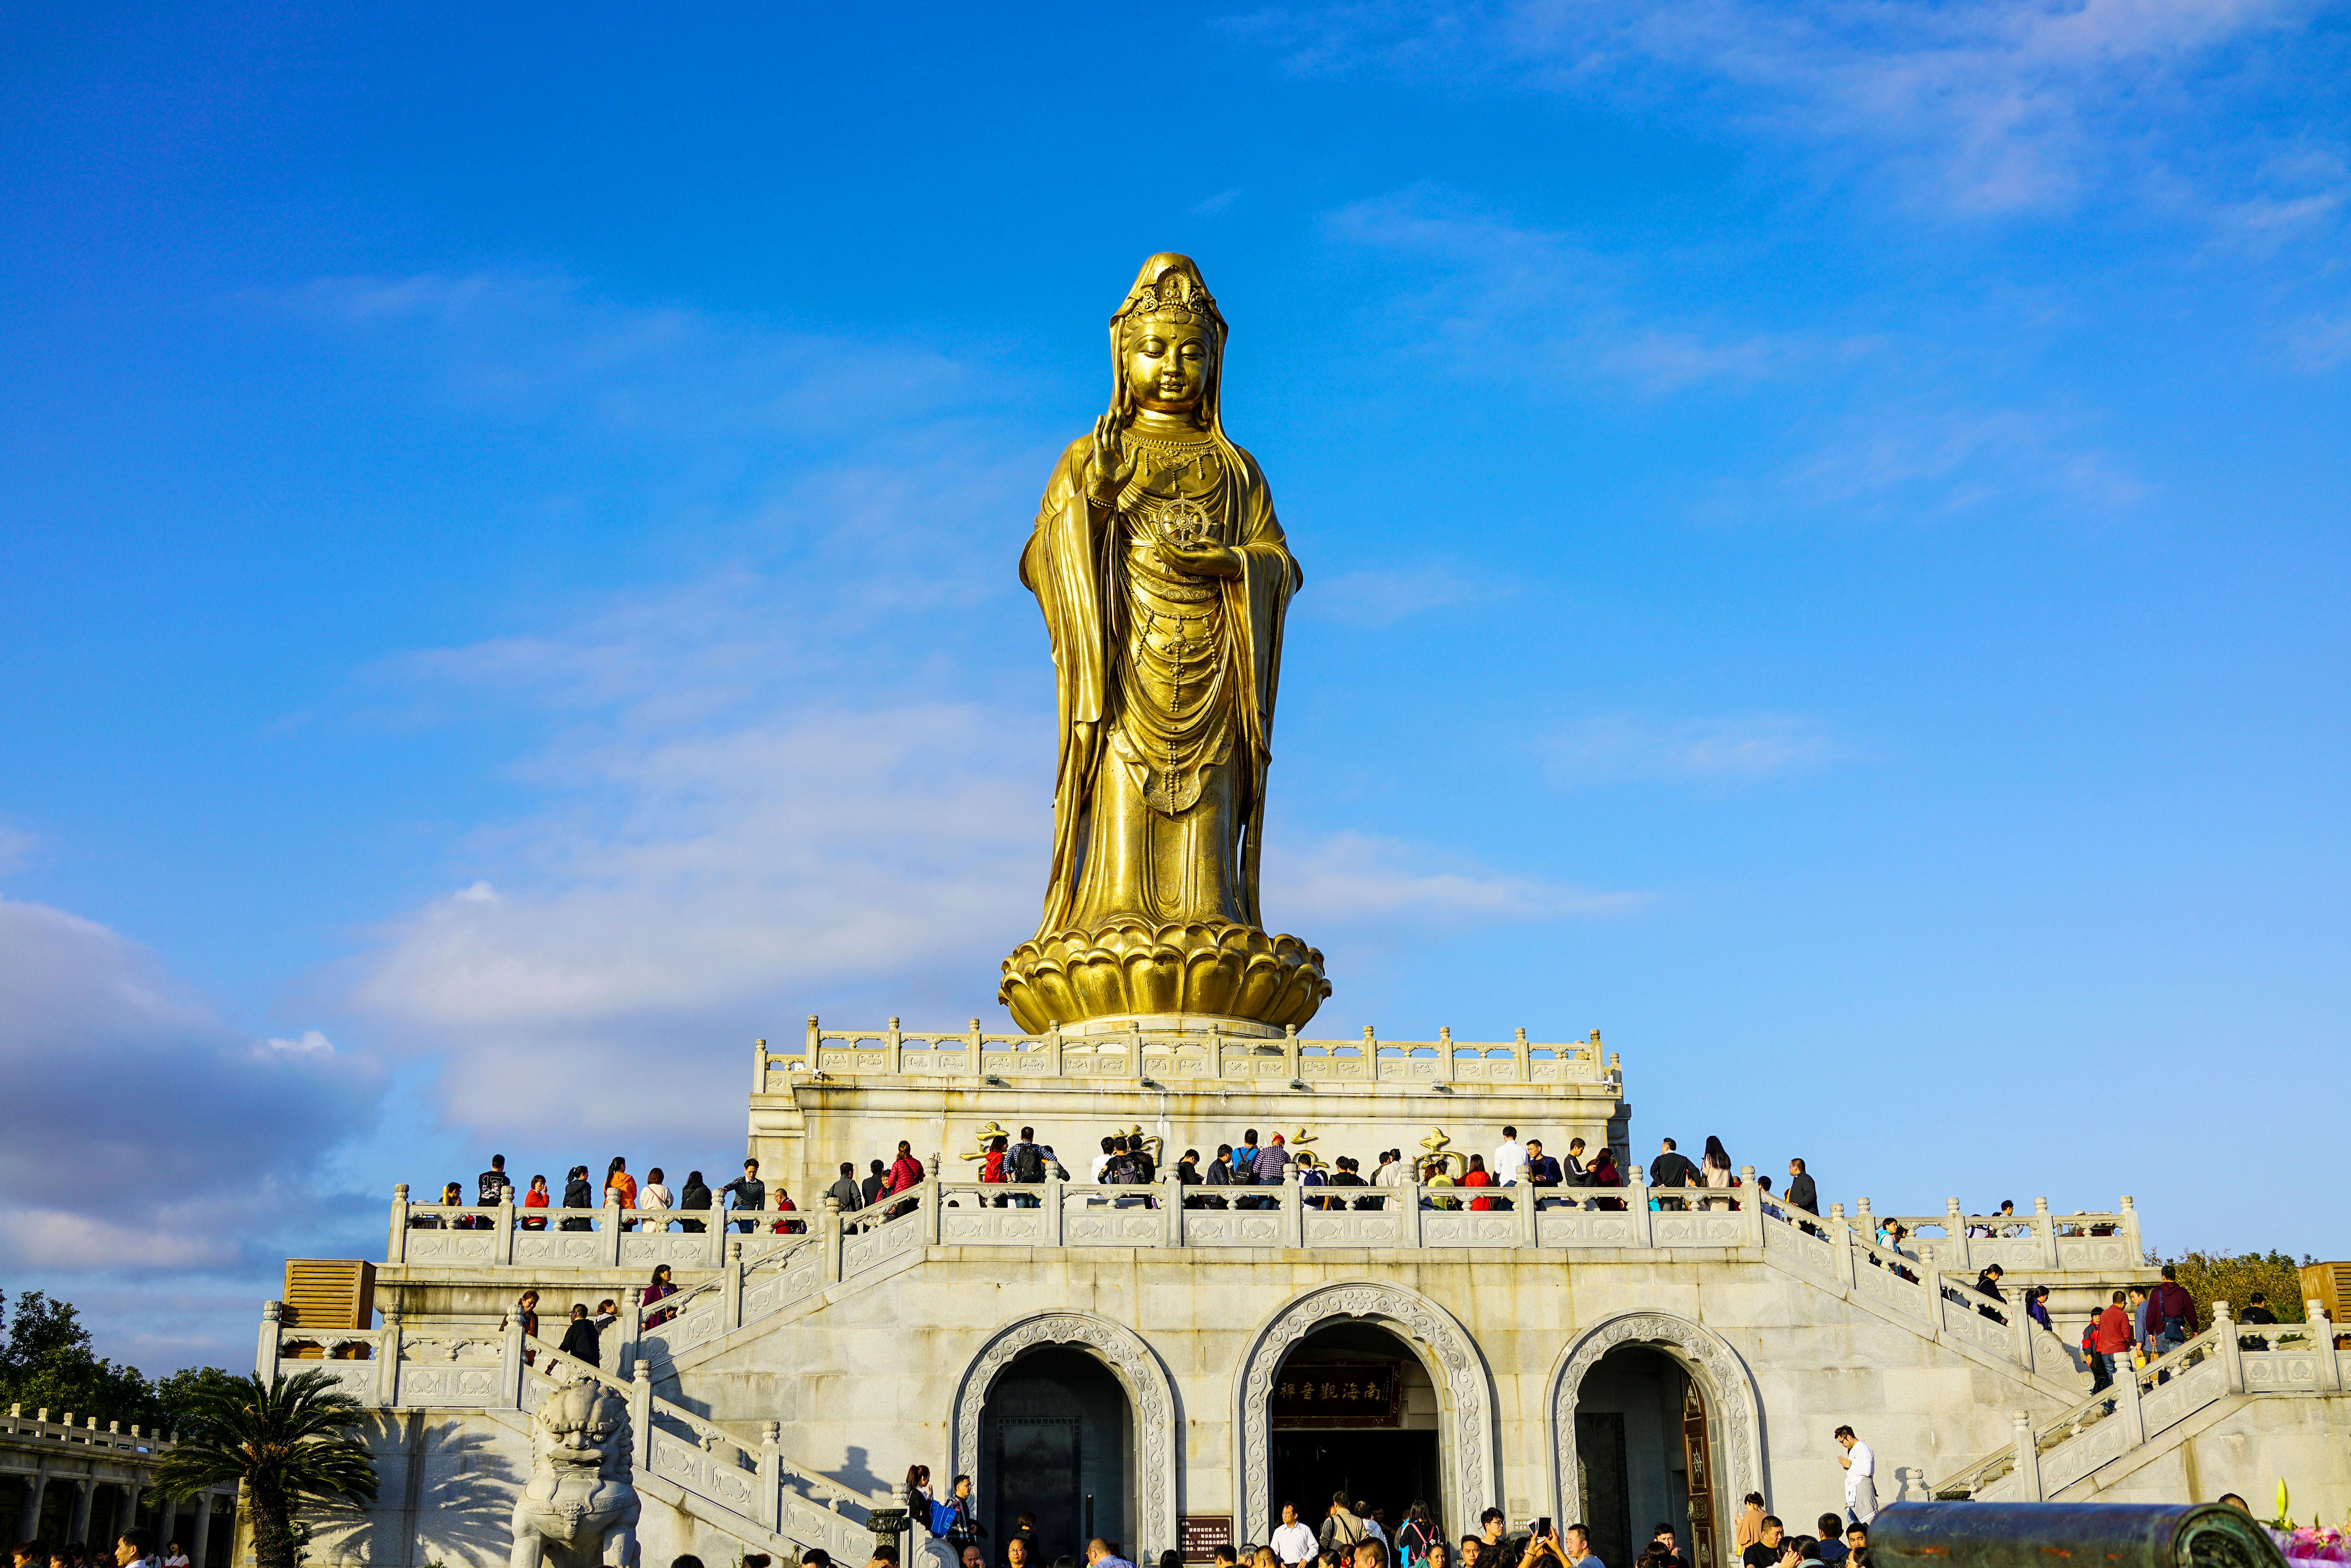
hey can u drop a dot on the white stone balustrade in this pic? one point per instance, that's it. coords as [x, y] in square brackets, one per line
[1182, 1059]
[2038, 1243]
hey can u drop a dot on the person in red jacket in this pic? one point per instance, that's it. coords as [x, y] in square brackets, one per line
[2113, 1338]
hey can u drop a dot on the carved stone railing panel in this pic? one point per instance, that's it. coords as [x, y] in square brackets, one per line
[1963, 1320]
[1358, 1228]
[2282, 1371]
[557, 1248]
[2188, 1392]
[2095, 1253]
[1236, 1227]
[967, 1226]
[447, 1249]
[715, 1476]
[2076, 1456]
[644, 1248]
[1586, 1227]
[870, 1248]
[1699, 1228]
[1468, 1228]
[1112, 1226]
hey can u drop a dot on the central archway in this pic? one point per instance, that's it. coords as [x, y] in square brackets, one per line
[1725, 1403]
[1456, 1367]
[1149, 1398]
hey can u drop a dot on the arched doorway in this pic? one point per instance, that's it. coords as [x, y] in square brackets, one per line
[1640, 1447]
[1056, 1441]
[1354, 1411]
[1649, 1409]
[1468, 1460]
[1034, 1397]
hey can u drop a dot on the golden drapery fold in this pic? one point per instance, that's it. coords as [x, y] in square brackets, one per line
[1074, 564]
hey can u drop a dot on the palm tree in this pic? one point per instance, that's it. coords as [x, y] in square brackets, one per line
[286, 1440]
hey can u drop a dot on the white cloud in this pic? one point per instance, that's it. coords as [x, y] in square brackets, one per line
[15, 847]
[1994, 107]
[1352, 877]
[1619, 747]
[140, 1130]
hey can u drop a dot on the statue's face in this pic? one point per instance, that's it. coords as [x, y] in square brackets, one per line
[1168, 363]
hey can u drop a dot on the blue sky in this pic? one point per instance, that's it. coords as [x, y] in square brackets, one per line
[1824, 530]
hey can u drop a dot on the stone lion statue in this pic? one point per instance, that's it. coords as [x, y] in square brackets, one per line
[579, 1509]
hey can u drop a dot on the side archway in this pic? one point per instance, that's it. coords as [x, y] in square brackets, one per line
[1150, 1393]
[1465, 1391]
[1733, 1408]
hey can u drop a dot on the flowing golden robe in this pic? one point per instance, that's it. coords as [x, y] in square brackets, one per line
[1159, 810]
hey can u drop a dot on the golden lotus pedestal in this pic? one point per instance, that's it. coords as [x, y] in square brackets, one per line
[1128, 971]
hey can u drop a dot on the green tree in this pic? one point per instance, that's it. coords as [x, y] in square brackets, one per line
[2232, 1278]
[288, 1441]
[47, 1360]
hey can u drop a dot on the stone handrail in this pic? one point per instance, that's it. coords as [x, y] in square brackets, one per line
[2039, 1241]
[613, 1236]
[1139, 1053]
[37, 1427]
[2145, 1402]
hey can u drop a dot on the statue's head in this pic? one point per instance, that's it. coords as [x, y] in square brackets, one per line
[579, 1422]
[1167, 342]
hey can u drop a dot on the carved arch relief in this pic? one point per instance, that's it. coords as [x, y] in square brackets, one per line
[1150, 1396]
[1465, 1394]
[1734, 1412]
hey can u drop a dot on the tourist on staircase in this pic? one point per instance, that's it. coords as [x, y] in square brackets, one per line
[1542, 1173]
[576, 1194]
[655, 1194]
[535, 1199]
[750, 1196]
[1801, 1193]
[1510, 1163]
[1671, 1168]
[621, 1188]
[492, 1186]
[1714, 1171]
[661, 1287]
[2110, 1337]
[693, 1197]
[1860, 1464]
[1987, 1284]
[580, 1340]
[906, 1175]
[1605, 1174]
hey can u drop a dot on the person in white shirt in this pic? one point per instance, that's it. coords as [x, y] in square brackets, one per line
[1860, 1464]
[1391, 1171]
[1509, 1162]
[653, 1194]
[175, 1556]
[1295, 1542]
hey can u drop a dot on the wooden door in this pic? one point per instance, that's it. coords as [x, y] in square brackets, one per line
[1698, 1452]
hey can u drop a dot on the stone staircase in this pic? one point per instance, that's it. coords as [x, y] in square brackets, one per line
[2151, 1411]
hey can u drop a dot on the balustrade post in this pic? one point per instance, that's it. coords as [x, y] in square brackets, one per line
[632, 1328]
[929, 1201]
[1864, 1223]
[2045, 1228]
[1173, 1198]
[2126, 1408]
[1294, 1201]
[611, 1228]
[1290, 1052]
[503, 1248]
[2028, 1457]
[2233, 1354]
[264, 1359]
[1444, 1054]
[1053, 1051]
[1840, 1237]
[1057, 1194]
[1751, 1201]
[1526, 1071]
[758, 1067]
[1409, 1195]
[1637, 1186]
[2019, 1323]
[396, 1249]
[828, 1237]
[641, 1415]
[387, 1364]
[1955, 1227]
[771, 1477]
[2330, 1368]
[896, 1044]
[714, 1228]
[510, 1361]
[1522, 1198]
[1933, 1280]
[1910, 1485]
[2130, 1229]
[815, 1043]
[731, 1281]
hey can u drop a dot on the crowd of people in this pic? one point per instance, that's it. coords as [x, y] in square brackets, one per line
[130, 1549]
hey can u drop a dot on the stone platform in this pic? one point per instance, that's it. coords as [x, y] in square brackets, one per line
[1650, 1360]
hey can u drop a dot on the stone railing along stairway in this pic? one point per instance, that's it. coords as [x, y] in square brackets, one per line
[2152, 1408]
[751, 1491]
[762, 1278]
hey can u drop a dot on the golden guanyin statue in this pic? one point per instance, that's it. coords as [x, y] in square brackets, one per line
[1163, 579]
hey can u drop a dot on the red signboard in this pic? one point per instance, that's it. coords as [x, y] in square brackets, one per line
[1199, 1535]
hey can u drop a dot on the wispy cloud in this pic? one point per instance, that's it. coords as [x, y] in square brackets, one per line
[1214, 206]
[2004, 106]
[1619, 747]
[1354, 878]
[1379, 597]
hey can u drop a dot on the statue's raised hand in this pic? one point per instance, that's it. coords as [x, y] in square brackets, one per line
[1108, 467]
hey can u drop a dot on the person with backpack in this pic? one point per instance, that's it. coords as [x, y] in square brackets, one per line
[1024, 1165]
[2173, 1310]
